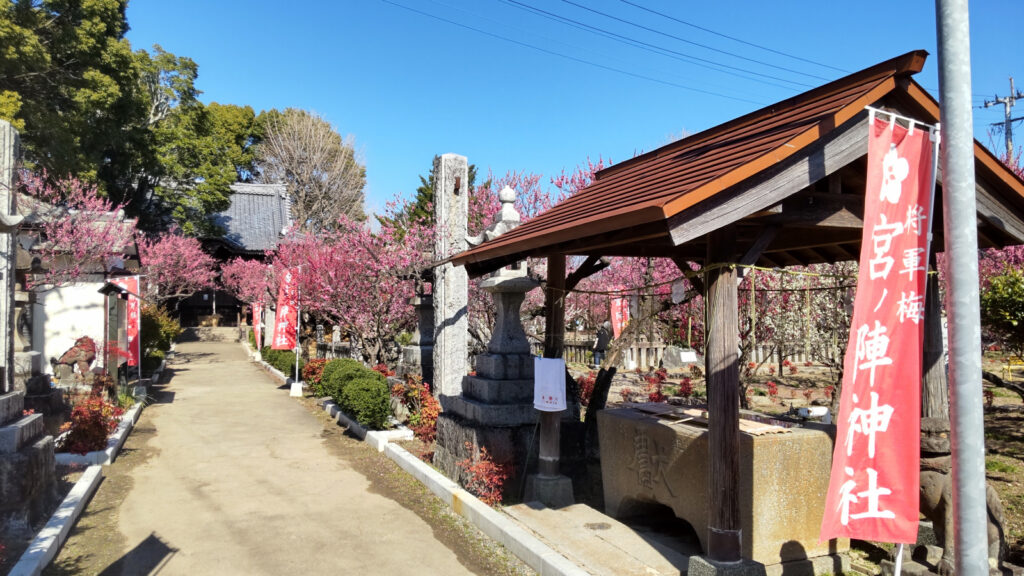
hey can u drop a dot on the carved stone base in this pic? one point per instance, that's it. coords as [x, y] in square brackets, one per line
[458, 439]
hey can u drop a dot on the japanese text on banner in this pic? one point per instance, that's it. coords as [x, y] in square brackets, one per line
[134, 324]
[873, 490]
[286, 320]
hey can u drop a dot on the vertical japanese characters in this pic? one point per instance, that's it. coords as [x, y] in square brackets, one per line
[131, 284]
[287, 314]
[873, 492]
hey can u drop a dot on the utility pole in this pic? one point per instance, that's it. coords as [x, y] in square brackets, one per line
[1007, 103]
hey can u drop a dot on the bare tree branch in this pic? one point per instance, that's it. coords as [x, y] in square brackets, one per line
[324, 172]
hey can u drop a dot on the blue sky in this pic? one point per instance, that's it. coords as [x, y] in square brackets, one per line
[540, 85]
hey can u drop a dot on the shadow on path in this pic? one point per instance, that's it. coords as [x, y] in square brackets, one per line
[148, 557]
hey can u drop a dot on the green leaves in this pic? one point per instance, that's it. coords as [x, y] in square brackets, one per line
[1002, 309]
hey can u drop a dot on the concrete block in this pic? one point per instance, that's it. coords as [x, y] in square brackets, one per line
[48, 542]
[20, 432]
[492, 391]
[701, 566]
[11, 405]
[505, 366]
[782, 485]
[27, 363]
[380, 438]
[552, 491]
[497, 415]
[27, 480]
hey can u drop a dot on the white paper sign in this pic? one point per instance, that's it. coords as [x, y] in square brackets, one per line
[549, 384]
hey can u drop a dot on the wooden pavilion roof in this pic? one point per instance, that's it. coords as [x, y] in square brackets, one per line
[790, 176]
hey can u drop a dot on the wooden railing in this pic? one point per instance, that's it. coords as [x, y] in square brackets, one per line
[643, 355]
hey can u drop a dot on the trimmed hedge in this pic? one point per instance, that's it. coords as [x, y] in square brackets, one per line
[283, 360]
[366, 399]
[336, 373]
[359, 392]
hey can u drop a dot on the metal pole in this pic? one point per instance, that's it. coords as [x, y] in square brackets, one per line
[298, 325]
[959, 210]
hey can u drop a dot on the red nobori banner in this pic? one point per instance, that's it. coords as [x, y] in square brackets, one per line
[257, 322]
[873, 491]
[134, 324]
[619, 315]
[287, 314]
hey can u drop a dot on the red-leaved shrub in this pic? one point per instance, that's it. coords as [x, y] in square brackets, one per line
[313, 372]
[92, 421]
[585, 385]
[485, 476]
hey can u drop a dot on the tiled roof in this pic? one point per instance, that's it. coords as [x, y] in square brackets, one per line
[636, 198]
[257, 216]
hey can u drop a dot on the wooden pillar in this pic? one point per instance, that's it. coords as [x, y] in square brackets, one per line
[934, 391]
[724, 537]
[554, 346]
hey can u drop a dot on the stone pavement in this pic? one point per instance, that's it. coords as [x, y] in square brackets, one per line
[228, 475]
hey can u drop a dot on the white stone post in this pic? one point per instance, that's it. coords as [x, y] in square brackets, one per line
[8, 225]
[451, 283]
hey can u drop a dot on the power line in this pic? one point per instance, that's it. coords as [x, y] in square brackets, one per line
[568, 57]
[704, 62]
[691, 42]
[636, 44]
[603, 57]
[734, 39]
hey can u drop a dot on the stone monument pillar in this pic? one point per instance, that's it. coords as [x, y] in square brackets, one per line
[27, 477]
[418, 356]
[8, 224]
[451, 283]
[495, 407]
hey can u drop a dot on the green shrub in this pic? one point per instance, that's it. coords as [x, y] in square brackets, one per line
[151, 361]
[252, 338]
[338, 372]
[283, 360]
[159, 329]
[366, 399]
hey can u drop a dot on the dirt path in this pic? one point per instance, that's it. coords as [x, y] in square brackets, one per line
[226, 474]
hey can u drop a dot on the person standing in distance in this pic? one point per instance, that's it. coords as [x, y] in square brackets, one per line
[604, 336]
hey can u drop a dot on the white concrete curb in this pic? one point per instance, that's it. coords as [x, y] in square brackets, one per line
[47, 543]
[114, 443]
[376, 438]
[497, 525]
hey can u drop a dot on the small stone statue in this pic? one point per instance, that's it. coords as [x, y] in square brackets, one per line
[936, 498]
[81, 354]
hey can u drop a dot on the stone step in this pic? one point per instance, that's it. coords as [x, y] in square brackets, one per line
[11, 406]
[498, 391]
[20, 433]
[505, 366]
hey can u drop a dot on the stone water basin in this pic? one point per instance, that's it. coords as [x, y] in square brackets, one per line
[656, 458]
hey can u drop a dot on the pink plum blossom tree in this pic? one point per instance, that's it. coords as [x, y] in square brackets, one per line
[79, 232]
[175, 266]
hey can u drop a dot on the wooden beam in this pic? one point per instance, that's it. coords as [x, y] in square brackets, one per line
[554, 305]
[795, 239]
[934, 395]
[592, 265]
[996, 213]
[837, 149]
[844, 252]
[758, 247]
[835, 183]
[724, 535]
[820, 210]
[549, 451]
[683, 264]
